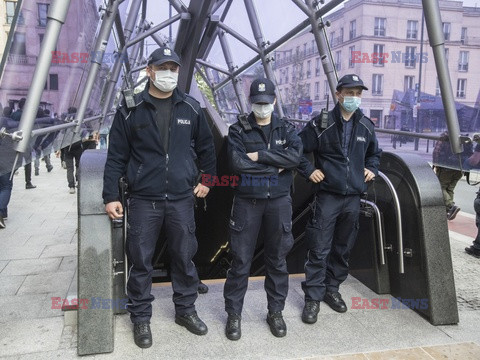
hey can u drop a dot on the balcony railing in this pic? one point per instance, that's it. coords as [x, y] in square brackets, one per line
[379, 31]
[412, 34]
[470, 40]
[336, 41]
[18, 59]
[295, 57]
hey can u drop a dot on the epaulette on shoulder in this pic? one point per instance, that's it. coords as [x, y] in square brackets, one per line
[243, 122]
[192, 102]
[369, 120]
[236, 126]
[138, 98]
[124, 109]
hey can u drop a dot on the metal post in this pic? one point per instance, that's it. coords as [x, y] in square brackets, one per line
[279, 42]
[170, 26]
[158, 39]
[323, 51]
[209, 80]
[417, 122]
[261, 43]
[156, 28]
[115, 73]
[433, 20]
[99, 51]
[56, 18]
[231, 67]
[134, 55]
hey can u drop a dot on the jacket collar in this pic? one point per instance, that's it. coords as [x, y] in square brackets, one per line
[177, 95]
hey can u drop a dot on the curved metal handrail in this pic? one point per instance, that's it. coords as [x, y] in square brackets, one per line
[378, 216]
[396, 202]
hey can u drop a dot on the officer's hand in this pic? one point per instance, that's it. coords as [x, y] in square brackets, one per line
[114, 210]
[368, 175]
[253, 156]
[317, 176]
[201, 191]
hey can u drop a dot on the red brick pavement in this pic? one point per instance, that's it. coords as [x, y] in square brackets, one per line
[464, 225]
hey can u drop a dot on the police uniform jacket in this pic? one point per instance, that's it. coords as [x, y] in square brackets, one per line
[136, 150]
[344, 174]
[282, 150]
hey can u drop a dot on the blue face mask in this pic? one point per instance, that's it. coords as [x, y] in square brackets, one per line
[351, 103]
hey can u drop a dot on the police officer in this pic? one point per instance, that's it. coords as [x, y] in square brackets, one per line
[263, 150]
[346, 157]
[154, 144]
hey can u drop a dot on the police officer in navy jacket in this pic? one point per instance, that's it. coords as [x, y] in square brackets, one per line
[263, 151]
[154, 144]
[346, 157]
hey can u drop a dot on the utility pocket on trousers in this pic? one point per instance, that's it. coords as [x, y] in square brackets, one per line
[191, 228]
[133, 229]
[236, 225]
[287, 227]
[287, 238]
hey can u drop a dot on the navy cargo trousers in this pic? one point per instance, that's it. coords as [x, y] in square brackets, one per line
[145, 221]
[329, 236]
[247, 216]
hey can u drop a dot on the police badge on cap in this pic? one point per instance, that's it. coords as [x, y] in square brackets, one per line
[262, 90]
[350, 81]
[163, 55]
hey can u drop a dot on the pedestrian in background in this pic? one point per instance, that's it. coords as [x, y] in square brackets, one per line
[474, 162]
[27, 156]
[6, 184]
[447, 166]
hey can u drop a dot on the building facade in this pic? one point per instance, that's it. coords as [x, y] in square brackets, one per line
[380, 40]
[67, 72]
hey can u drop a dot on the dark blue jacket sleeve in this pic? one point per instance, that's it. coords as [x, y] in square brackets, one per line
[310, 144]
[287, 158]
[372, 156]
[239, 161]
[117, 158]
[204, 147]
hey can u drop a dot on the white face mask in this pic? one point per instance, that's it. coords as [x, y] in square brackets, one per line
[165, 80]
[262, 111]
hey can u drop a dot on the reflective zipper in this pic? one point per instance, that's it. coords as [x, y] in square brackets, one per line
[168, 148]
[268, 147]
[166, 174]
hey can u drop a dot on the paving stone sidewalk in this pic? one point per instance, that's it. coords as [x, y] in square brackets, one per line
[38, 261]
